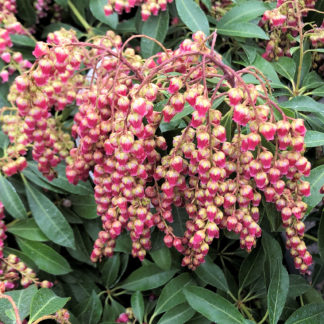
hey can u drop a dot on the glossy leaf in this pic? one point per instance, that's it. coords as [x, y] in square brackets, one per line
[26, 11]
[92, 310]
[147, 277]
[303, 103]
[213, 306]
[172, 294]
[45, 302]
[11, 200]
[266, 68]
[22, 40]
[243, 29]
[137, 303]
[28, 229]
[212, 274]
[84, 206]
[179, 314]
[110, 270]
[97, 9]
[314, 138]
[45, 257]
[49, 218]
[297, 286]
[155, 27]
[308, 314]
[277, 292]
[286, 67]
[162, 257]
[192, 16]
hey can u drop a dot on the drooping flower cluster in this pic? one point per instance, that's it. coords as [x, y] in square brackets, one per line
[233, 151]
[148, 7]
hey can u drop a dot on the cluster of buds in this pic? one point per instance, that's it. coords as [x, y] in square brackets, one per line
[126, 317]
[219, 7]
[148, 7]
[13, 272]
[62, 316]
[3, 228]
[282, 23]
[218, 178]
[41, 9]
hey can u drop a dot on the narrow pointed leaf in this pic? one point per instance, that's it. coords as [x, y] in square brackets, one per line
[179, 314]
[137, 303]
[97, 9]
[314, 138]
[308, 314]
[28, 229]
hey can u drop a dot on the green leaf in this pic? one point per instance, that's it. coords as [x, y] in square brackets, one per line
[49, 218]
[172, 294]
[147, 277]
[97, 9]
[277, 292]
[213, 306]
[308, 314]
[251, 267]
[316, 180]
[44, 256]
[272, 215]
[91, 310]
[286, 67]
[192, 16]
[243, 29]
[320, 236]
[155, 27]
[180, 217]
[26, 11]
[266, 68]
[28, 229]
[212, 274]
[179, 314]
[187, 110]
[45, 302]
[110, 270]
[303, 103]
[314, 138]
[84, 206]
[11, 200]
[22, 40]
[22, 299]
[26, 259]
[162, 257]
[62, 3]
[137, 303]
[297, 286]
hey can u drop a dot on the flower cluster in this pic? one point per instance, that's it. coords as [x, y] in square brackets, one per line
[233, 151]
[3, 228]
[148, 7]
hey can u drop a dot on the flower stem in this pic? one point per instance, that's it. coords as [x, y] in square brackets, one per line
[83, 22]
[311, 237]
[18, 320]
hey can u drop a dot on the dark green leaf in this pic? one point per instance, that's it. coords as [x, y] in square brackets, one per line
[22, 40]
[84, 206]
[11, 200]
[320, 236]
[28, 229]
[272, 215]
[212, 306]
[266, 68]
[147, 277]
[92, 310]
[185, 112]
[49, 218]
[110, 270]
[303, 103]
[192, 16]
[62, 3]
[308, 314]
[212, 274]
[297, 286]
[162, 257]
[243, 29]
[286, 67]
[277, 292]
[155, 27]
[97, 9]
[180, 217]
[26, 11]
[45, 257]
[45, 302]
[179, 314]
[313, 138]
[137, 303]
[172, 293]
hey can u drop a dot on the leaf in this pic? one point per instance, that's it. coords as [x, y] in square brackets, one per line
[97, 9]
[45, 257]
[162, 257]
[110, 270]
[172, 294]
[22, 299]
[303, 103]
[49, 218]
[45, 302]
[316, 180]
[212, 306]
[308, 314]
[243, 29]
[147, 277]
[62, 3]
[320, 236]
[137, 303]
[314, 138]
[272, 215]
[28, 229]
[26, 12]
[84, 206]
[26, 259]
[155, 27]
[22, 40]
[11, 200]
[266, 68]
[277, 292]
[180, 217]
[212, 274]
[179, 314]
[185, 112]
[297, 286]
[286, 67]
[91, 310]
[251, 267]
[192, 16]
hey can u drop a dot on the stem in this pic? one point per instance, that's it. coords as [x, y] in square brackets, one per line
[247, 312]
[264, 317]
[83, 22]
[311, 237]
[301, 48]
[18, 320]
